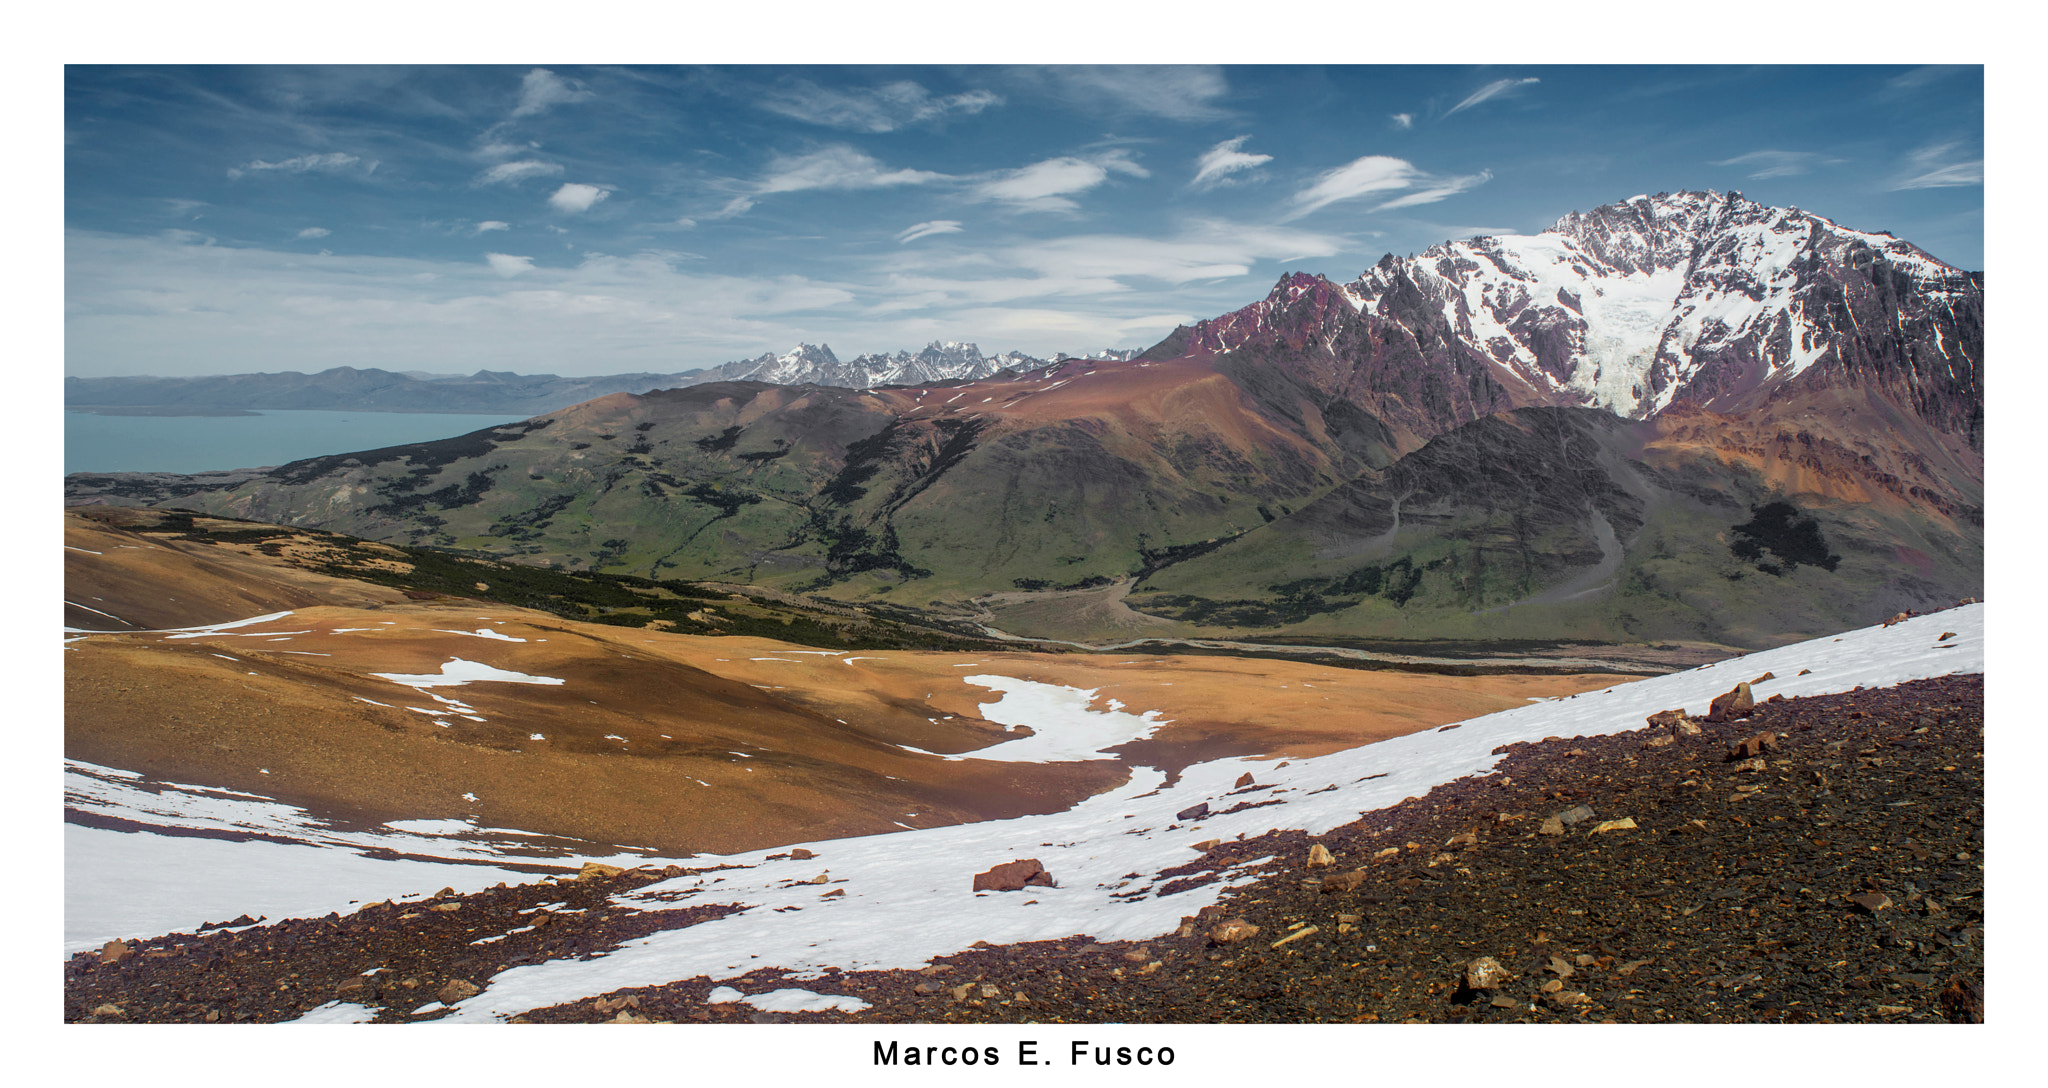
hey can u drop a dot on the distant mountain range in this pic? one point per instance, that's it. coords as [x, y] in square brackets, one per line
[1681, 416]
[504, 393]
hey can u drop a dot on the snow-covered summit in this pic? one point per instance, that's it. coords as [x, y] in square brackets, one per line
[1626, 306]
[938, 361]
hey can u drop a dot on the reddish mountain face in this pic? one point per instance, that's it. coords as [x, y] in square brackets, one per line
[1695, 298]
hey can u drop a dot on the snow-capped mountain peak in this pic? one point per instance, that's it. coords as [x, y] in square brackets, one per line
[938, 361]
[1634, 305]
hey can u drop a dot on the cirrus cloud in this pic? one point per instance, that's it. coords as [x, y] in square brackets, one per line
[1376, 174]
[1217, 164]
[541, 89]
[927, 229]
[326, 163]
[1777, 164]
[1939, 166]
[871, 109]
[1045, 185]
[835, 167]
[1491, 91]
[508, 172]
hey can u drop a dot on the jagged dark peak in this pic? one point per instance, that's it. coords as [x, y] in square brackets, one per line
[1645, 233]
[1293, 284]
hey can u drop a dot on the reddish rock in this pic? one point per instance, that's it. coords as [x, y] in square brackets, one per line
[1732, 704]
[1195, 813]
[1013, 876]
[1752, 747]
[1343, 882]
[1243, 780]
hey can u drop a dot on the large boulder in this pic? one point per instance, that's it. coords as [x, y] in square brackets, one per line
[1730, 705]
[1013, 876]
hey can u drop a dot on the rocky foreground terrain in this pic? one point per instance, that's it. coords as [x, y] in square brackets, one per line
[1818, 861]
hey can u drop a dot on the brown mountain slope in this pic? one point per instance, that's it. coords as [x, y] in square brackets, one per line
[679, 743]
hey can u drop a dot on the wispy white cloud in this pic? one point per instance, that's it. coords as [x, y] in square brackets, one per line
[1217, 164]
[325, 163]
[577, 197]
[1491, 91]
[1777, 164]
[1372, 175]
[1046, 185]
[1402, 121]
[313, 232]
[491, 225]
[493, 148]
[1176, 93]
[835, 167]
[1437, 189]
[872, 109]
[507, 265]
[1939, 166]
[541, 89]
[508, 172]
[1089, 266]
[927, 229]
[194, 309]
[1912, 82]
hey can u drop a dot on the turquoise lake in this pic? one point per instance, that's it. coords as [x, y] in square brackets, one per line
[94, 443]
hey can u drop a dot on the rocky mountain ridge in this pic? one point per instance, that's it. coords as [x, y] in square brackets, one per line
[1695, 297]
[369, 389]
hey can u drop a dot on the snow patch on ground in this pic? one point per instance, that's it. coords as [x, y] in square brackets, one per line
[290, 863]
[456, 672]
[481, 632]
[339, 1012]
[1065, 729]
[786, 1000]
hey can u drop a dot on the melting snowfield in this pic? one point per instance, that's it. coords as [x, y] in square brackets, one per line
[907, 896]
[223, 853]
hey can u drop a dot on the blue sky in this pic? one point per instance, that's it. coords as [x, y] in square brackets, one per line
[583, 220]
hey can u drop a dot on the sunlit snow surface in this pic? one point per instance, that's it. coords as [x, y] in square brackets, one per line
[289, 864]
[1065, 729]
[456, 672]
[907, 896]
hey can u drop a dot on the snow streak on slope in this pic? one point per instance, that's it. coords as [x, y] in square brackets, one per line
[907, 897]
